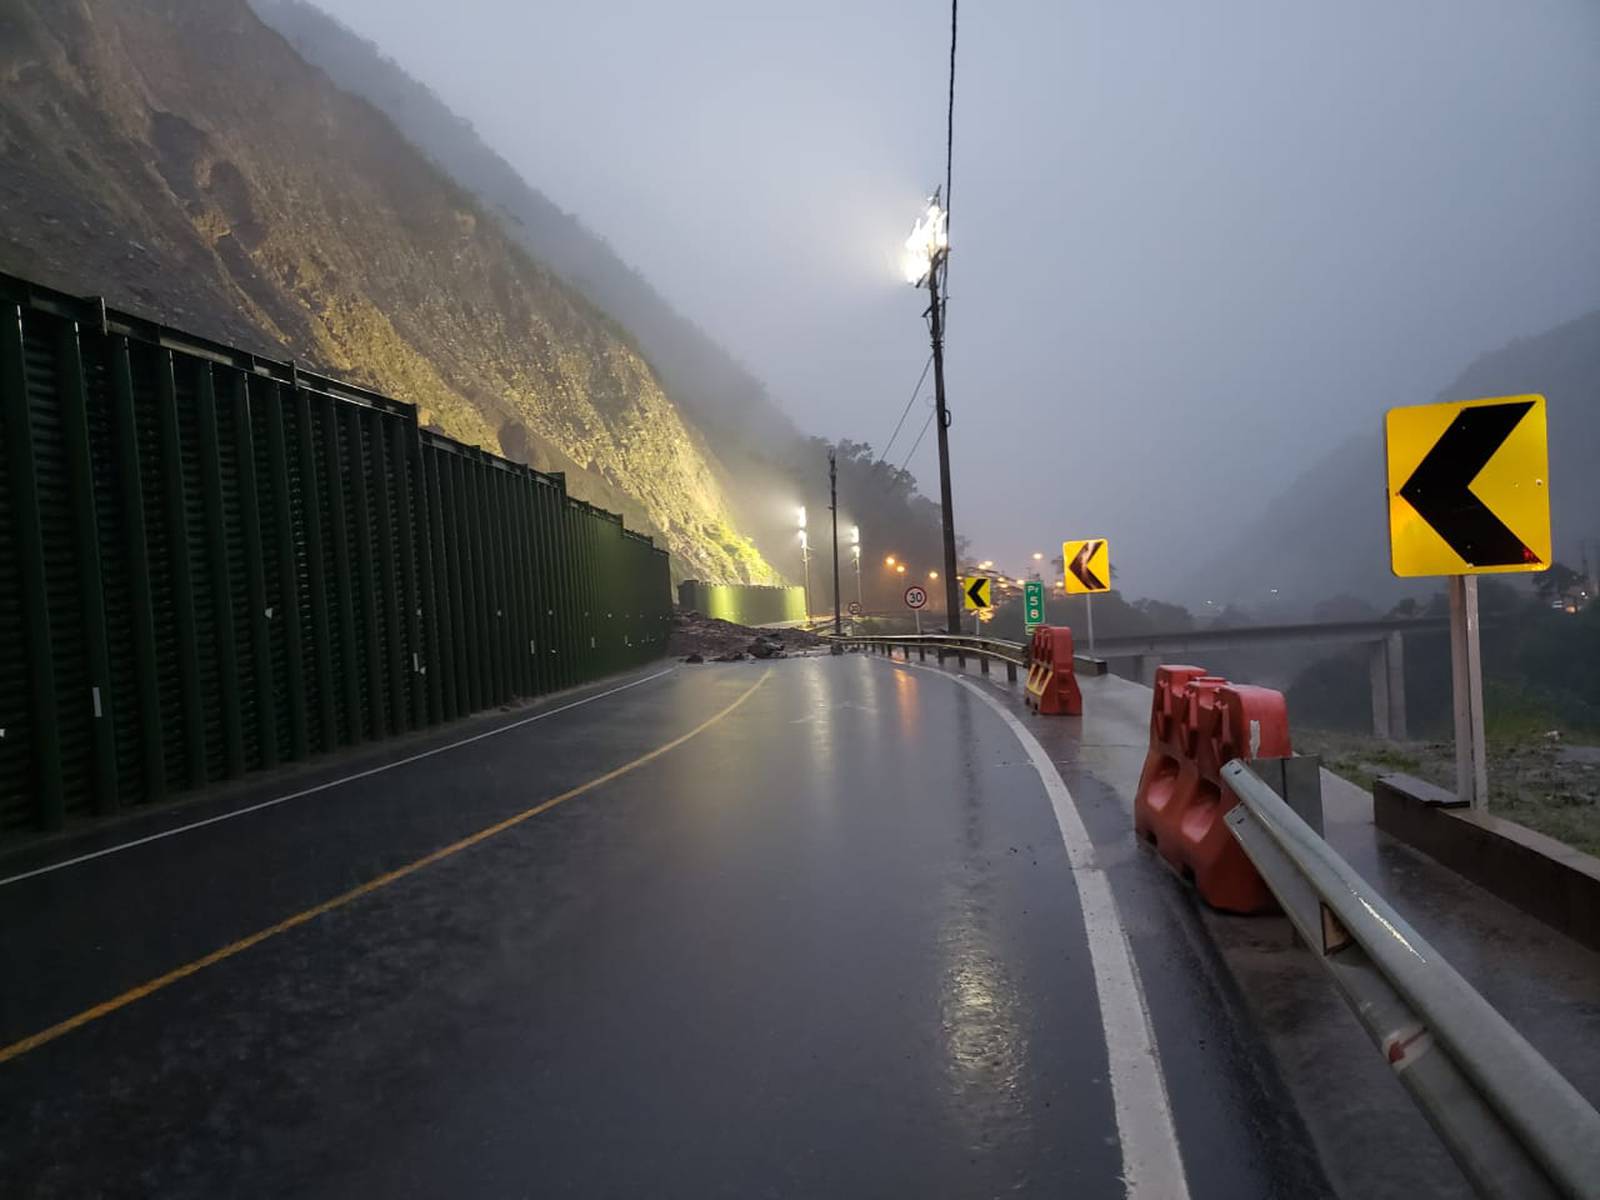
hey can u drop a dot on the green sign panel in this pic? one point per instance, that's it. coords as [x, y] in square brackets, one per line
[1033, 599]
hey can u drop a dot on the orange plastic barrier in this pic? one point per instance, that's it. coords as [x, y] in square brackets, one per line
[1052, 682]
[1198, 722]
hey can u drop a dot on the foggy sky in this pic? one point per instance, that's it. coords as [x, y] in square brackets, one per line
[1192, 245]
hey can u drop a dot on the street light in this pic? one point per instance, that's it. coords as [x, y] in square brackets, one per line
[901, 568]
[805, 559]
[855, 555]
[933, 574]
[889, 562]
[927, 251]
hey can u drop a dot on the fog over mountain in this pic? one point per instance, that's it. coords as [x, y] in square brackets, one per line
[1193, 251]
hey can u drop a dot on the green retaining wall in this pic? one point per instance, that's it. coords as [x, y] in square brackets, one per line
[743, 603]
[211, 563]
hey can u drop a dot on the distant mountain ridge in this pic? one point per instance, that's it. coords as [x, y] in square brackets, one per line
[1327, 534]
[181, 159]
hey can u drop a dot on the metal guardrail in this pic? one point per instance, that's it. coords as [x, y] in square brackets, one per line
[1514, 1124]
[985, 649]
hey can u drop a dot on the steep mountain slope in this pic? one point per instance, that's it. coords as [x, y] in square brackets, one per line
[182, 159]
[722, 397]
[768, 467]
[1328, 534]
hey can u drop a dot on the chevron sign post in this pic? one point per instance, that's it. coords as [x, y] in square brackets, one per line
[1086, 570]
[1469, 495]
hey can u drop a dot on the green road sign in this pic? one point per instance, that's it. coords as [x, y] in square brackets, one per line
[1033, 599]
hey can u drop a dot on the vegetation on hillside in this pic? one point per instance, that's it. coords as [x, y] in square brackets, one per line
[1541, 669]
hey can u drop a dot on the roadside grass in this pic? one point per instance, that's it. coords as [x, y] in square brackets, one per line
[1532, 781]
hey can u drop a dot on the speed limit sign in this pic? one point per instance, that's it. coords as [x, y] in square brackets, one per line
[915, 597]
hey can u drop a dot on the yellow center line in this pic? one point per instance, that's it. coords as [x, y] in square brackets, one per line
[34, 1041]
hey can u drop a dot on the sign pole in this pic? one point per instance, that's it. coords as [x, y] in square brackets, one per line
[1468, 494]
[1088, 608]
[917, 613]
[1466, 681]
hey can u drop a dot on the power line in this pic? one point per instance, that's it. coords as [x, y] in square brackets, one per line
[918, 442]
[884, 456]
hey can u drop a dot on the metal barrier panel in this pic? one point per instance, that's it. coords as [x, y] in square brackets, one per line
[211, 564]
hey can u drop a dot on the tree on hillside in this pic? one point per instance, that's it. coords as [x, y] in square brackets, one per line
[1556, 582]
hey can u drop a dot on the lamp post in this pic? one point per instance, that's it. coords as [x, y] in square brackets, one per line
[805, 561]
[855, 554]
[927, 251]
[833, 509]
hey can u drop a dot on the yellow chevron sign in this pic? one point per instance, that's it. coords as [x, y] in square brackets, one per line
[1088, 566]
[1469, 487]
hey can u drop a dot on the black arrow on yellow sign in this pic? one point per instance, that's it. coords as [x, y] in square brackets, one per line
[1079, 566]
[1440, 489]
[978, 592]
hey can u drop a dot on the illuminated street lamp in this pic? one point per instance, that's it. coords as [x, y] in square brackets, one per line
[805, 559]
[927, 251]
[889, 562]
[933, 574]
[901, 568]
[855, 554]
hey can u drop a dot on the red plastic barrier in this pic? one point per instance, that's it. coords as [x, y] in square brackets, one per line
[1164, 785]
[1052, 680]
[1197, 724]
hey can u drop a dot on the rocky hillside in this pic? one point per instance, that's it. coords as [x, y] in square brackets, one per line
[722, 397]
[181, 159]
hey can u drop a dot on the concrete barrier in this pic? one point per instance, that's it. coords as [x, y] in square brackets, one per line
[1543, 877]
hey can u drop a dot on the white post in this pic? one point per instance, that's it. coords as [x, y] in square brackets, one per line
[805, 561]
[1088, 608]
[1466, 681]
[917, 613]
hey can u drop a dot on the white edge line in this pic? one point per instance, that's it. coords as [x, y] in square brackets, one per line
[1152, 1164]
[322, 787]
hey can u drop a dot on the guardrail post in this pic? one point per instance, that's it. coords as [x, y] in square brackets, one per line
[922, 653]
[1011, 672]
[983, 663]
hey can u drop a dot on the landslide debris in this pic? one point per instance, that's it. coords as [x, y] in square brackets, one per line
[696, 637]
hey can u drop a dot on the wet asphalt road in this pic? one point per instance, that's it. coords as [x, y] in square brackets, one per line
[829, 946]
